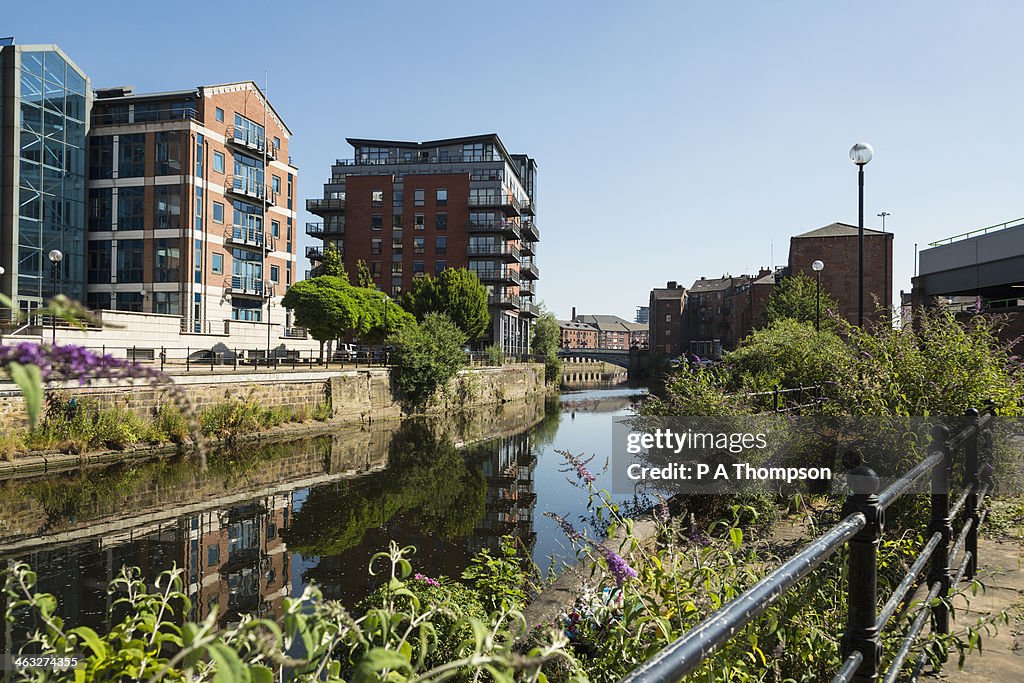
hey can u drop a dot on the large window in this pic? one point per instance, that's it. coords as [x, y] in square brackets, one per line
[168, 153]
[131, 208]
[131, 156]
[167, 260]
[377, 221]
[101, 156]
[99, 263]
[130, 257]
[218, 212]
[441, 245]
[243, 309]
[248, 131]
[167, 206]
[419, 197]
[218, 162]
[101, 208]
[168, 303]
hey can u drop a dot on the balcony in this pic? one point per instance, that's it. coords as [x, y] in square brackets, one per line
[503, 300]
[296, 333]
[528, 310]
[249, 188]
[245, 235]
[529, 270]
[530, 230]
[507, 228]
[250, 141]
[528, 248]
[507, 203]
[317, 253]
[507, 251]
[527, 289]
[322, 206]
[315, 230]
[249, 286]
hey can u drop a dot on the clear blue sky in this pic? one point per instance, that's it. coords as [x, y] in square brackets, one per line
[674, 139]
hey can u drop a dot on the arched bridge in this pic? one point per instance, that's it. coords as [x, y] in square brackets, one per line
[613, 356]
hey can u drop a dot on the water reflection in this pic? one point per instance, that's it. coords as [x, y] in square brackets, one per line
[263, 521]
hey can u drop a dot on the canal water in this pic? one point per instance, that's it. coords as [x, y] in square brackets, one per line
[264, 520]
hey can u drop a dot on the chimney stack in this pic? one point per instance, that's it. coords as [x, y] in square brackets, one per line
[672, 284]
[573, 313]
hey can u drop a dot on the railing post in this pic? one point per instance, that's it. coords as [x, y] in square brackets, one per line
[972, 482]
[775, 400]
[188, 359]
[235, 362]
[163, 357]
[862, 583]
[939, 569]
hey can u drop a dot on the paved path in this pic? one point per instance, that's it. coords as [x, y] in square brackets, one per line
[1002, 574]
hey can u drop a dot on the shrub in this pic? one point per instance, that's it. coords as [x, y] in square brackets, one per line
[323, 411]
[494, 355]
[425, 357]
[172, 423]
[10, 443]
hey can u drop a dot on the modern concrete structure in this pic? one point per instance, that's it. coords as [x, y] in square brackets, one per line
[409, 209]
[44, 119]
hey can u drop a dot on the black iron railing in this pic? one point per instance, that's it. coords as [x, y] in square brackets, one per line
[861, 528]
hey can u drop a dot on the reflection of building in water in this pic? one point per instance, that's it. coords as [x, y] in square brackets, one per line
[511, 498]
[236, 562]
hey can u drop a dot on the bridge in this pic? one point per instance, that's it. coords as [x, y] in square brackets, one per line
[618, 357]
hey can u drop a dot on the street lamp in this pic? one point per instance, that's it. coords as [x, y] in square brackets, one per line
[143, 294]
[55, 256]
[817, 267]
[860, 154]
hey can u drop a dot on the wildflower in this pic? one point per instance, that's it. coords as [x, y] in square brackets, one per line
[567, 527]
[582, 473]
[619, 568]
[662, 510]
[56, 362]
[426, 579]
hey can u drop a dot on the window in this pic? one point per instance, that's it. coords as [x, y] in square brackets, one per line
[218, 162]
[242, 309]
[219, 114]
[168, 153]
[418, 219]
[101, 156]
[218, 212]
[418, 245]
[377, 221]
[396, 199]
[217, 263]
[419, 197]
[442, 197]
[167, 206]
[167, 303]
[417, 268]
[277, 142]
[130, 257]
[441, 245]
[275, 228]
[396, 221]
[275, 183]
[377, 199]
[131, 205]
[131, 156]
[439, 267]
[97, 301]
[441, 221]
[129, 301]
[100, 208]
[376, 245]
[99, 264]
[275, 274]
[375, 269]
[167, 260]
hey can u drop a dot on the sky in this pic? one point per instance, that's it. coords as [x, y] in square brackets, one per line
[673, 139]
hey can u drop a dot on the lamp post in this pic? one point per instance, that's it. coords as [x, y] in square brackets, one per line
[860, 154]
[817, 267]
[55, 256]
[270, 300]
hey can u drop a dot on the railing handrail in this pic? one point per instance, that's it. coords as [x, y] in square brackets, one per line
[862, 527]
[978, 231]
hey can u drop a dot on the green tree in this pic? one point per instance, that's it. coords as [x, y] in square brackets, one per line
[324, 306]
[332, 263]
[363, 277]
[546, 340]
[456, 292]
[795, 297]
[426, 357]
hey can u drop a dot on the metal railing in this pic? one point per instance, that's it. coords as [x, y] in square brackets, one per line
[334, 204]
[250, 139]
[245, 234]
[396, 161]
[493, 250]
[107, 117]
[987, 306]
[949, 561]
[250, 188]
[978, 231]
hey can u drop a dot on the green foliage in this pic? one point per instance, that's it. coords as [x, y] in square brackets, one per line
[332, 263]
[500, 580]
[413, 632]
[82, 425]
[425, 357]
[323, 411]
[547, 337]
[363, 277]
[552, 369]
[456, 292]
[494, 354]
[173, 424]
[795, 298]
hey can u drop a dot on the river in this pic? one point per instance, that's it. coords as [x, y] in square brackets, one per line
[265, 519]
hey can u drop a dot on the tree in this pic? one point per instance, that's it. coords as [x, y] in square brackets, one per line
[332, 263]
[795, 297]
[324, 306]
[426, 357]
[456, 292]
[546, 340]
[363, 277]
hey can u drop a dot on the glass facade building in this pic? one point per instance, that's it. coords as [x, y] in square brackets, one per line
[44, 109]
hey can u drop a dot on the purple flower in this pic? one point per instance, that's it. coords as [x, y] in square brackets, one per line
[75, 362]
[662, 510]
[619, 568]
[582, 473]
[567, 528]
[429, 581]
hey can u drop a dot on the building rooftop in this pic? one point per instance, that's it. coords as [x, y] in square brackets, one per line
[610, 323]
[573, 325]
[838, 230]
[712, 285]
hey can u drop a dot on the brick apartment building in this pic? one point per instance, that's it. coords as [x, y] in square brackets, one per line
[836, 246]
[615, 333]
[574, 335]
[410, 209]
[191, 206]
[666, 311]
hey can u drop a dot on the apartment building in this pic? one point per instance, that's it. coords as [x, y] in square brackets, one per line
[192, 207]
[44, 120]
[615, 333]
[666, 310]
[410, 209]
[574, 335]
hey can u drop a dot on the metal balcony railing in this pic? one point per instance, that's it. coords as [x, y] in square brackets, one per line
[506, 250]
[250, 140]
[530, 230]
[330, 205]
[248, 187]
[529, 270]
[241, 284]
[503, 299]
[315, 229]
[244, 234]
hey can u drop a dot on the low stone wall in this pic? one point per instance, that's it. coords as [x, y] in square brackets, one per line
[356, 395]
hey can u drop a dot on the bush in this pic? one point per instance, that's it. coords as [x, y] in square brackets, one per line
[323, 411]
[552, 369]
[173, 424]
[494, 355]
[10, 443]
[425, 357]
